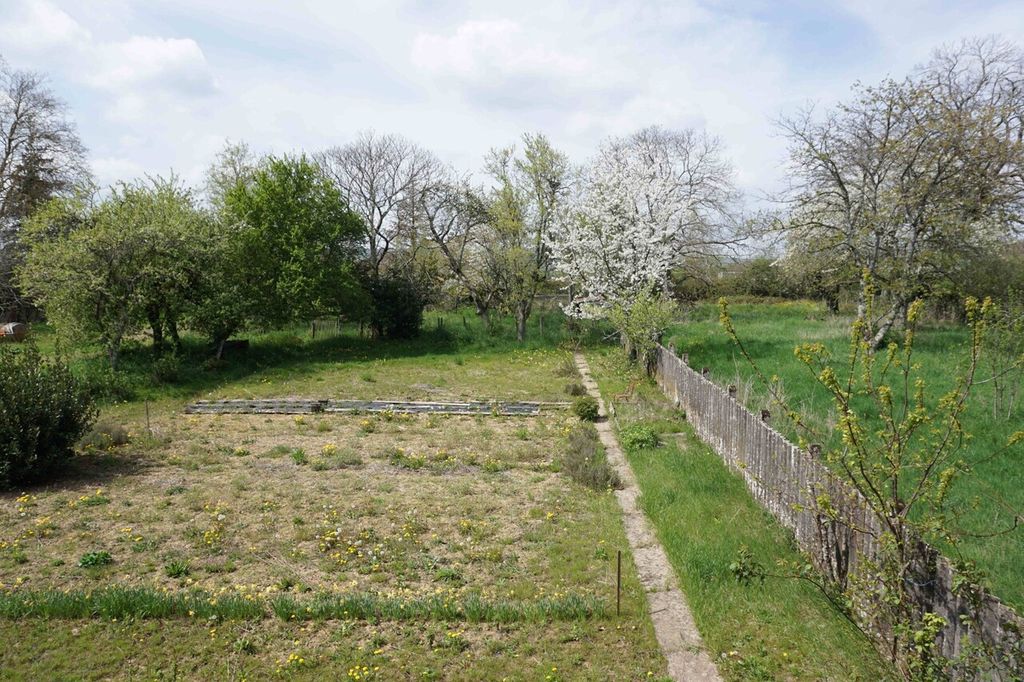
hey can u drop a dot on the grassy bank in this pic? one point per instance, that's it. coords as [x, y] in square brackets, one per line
[703, 515]
[991, 495]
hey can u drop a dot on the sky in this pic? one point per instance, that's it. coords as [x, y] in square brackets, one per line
[159, 85]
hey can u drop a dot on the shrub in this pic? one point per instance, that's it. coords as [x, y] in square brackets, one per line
[639, 437]
[105, 385]
[105, 436]
[44, 410]
[575, 389]
[567, 368]
[586, 408]
[166, 370]
[398, 304]
[585, 460]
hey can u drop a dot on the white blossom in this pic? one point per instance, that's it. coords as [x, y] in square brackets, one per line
[642, 203]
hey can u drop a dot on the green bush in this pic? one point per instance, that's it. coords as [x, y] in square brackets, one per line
[105, 385]
[639, 437]
[398, 304]
[44, 410]
[585, 461]
[166, 370]
[94, 559]
[586, 408]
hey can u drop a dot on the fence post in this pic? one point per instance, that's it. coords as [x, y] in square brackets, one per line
[312, 329]
[686, 359]
[766, 416]
[732, 391]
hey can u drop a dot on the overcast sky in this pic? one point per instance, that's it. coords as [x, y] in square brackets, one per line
[156, 85]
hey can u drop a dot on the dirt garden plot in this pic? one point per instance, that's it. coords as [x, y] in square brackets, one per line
[406, 508]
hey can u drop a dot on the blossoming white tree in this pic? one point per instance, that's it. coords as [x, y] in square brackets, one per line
[644, 203]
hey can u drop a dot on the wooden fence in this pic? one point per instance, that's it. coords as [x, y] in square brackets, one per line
[787, 481]
[324, 328]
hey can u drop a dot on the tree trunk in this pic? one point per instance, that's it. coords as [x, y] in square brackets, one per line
[522, 314]
[484, 313]
[896, 317]
[155, 323]
[172, 328]
[832, 303]
[114, 353]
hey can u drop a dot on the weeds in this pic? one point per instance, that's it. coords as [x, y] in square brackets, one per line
[586, 408]
[585, 461]
[639, 436]
[94, 559]
[178, 568]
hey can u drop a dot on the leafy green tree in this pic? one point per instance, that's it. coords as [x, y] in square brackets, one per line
[287, 250]
[529, 189]
[104, 269]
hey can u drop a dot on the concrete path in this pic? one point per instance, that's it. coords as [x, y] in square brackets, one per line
[673, 623]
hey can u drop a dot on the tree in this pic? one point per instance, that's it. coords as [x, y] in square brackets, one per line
[376, 174]
[910, 175]
[901, 452]
[528, 193]
[234, 164]
[297, 244]
[102, 270]
[649, 202]
[456, 217]
[41, 157]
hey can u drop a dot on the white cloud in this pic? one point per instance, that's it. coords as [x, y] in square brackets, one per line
[109, 170]
[499, 63]
[38, 27]
[480, 50]
[158, 84]
[168, 64]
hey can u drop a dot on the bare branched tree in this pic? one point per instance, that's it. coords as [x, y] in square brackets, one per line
[910, 176]
[41, 156]
[377, 175]
[234, 164]
[456, 217]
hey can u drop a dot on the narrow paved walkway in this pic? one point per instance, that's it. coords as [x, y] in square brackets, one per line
[673, 623]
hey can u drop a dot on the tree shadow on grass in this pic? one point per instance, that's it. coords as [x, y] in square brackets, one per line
[84, 473]
[294, 353]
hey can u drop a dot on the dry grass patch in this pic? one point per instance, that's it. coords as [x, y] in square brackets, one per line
[416, 505]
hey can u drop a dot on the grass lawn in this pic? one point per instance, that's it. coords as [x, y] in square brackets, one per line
[992, 494]
[327, 547]
[379, 547]
[703, 515]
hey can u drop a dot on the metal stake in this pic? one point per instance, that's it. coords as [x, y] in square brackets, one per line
[618, 582]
